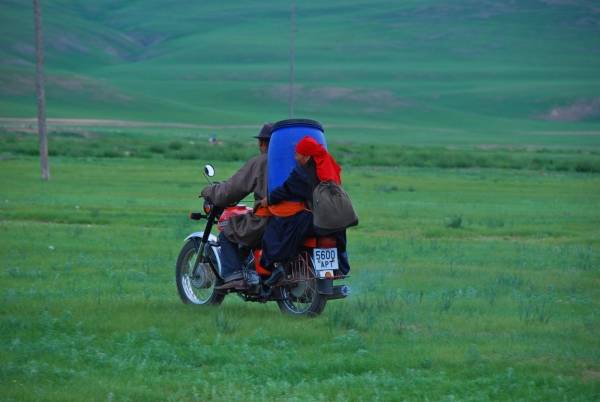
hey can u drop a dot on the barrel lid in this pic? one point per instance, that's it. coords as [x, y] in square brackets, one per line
[297, 122]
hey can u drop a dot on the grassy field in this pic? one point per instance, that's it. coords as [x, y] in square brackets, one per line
[468, 284]
[469, 132]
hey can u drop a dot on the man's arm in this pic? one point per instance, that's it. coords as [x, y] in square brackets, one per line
[242, 183]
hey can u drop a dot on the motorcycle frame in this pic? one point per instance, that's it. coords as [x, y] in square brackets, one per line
[205, 237]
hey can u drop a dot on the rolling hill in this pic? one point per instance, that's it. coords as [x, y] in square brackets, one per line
[492, 72]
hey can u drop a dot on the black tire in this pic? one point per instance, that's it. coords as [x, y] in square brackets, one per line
[314, 308]
[196, 287]
[302, 298]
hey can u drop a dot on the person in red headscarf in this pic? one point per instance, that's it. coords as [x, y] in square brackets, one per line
[290, 203]
[326, 167]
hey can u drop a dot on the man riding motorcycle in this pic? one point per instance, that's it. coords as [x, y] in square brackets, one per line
[244, 232]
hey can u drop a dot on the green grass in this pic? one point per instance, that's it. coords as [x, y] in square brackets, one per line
[76, 142]
[475, 269]
[503, 306]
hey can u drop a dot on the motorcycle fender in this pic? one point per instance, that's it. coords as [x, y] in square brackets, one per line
[211, 237]
[212, 244]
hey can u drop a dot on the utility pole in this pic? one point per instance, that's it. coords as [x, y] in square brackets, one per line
[39, 88]
[292, 58]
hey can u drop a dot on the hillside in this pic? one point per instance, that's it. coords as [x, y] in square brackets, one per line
[498, 71]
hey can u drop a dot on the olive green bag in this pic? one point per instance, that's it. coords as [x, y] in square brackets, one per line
[332, 208]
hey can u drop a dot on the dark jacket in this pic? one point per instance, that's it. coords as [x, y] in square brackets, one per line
[299, 185]
[284, 236]
[251, 178]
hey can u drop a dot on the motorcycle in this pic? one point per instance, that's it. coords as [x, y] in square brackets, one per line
[307, 285]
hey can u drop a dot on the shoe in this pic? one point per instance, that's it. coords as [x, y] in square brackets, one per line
[252, 278]
[234, 276]
[235, 284]
[233, 280]
[276, 275]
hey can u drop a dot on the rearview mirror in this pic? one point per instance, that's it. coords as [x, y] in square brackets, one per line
[209, 170]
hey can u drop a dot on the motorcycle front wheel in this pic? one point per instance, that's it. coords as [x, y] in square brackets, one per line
[196, 285]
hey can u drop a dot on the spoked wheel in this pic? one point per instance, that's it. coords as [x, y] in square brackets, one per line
[301, 298]
[196, 285]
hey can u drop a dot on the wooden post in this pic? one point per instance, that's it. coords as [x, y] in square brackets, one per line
[39, 88]
[292, 58]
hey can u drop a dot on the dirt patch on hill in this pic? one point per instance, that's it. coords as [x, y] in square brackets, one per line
[30, 124]
[24, 84]
[372, 100]
[591, 376]
[69, 43]
[586, 109]
[23, 124]
[25, 49]
[57, 132]
[565, 133]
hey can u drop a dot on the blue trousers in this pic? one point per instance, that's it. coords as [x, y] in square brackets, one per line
[231, 256]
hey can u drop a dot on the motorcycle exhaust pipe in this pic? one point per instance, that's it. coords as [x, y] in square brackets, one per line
[339, 292]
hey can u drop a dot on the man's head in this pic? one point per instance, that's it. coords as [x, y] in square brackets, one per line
[264, 137]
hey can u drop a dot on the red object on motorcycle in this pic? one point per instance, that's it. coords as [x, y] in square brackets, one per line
[326, 242]
[310, 242]
[262, 271]
[320, 242]
[232, 211]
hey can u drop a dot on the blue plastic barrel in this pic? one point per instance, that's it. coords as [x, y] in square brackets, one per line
[286, 134]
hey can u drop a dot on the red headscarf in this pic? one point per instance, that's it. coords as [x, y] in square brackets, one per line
[327, 167]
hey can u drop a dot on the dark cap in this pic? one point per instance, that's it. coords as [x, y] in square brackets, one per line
[265, 131]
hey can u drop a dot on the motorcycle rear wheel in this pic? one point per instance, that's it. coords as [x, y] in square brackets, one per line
[302, 298]
[196, 286]
[311, 308]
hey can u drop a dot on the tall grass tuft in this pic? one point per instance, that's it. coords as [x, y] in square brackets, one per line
[447, 300]
[224, 324]
[535, 307]
[454, 222]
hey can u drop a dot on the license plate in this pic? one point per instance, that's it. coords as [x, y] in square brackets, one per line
[325, 259]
